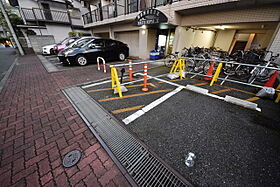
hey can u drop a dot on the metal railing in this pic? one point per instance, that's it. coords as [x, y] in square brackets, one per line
[130, 6]
[108, 11]
[36, 14]
[223, 79]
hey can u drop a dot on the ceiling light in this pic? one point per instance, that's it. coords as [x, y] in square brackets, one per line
[220, 27]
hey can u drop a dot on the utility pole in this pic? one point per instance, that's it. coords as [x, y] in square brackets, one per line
[11, 28]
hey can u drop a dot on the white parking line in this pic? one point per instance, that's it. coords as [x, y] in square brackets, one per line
[204, 91]
[96, 84]
[152, 105]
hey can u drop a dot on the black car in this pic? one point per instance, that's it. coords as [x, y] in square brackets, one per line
[82, 55]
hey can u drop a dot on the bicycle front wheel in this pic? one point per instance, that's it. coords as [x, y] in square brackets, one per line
[169, 60]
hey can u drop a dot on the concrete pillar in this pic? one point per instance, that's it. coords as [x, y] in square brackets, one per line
[111, 33]
[274, 45]
[183, 38]
[143, 43]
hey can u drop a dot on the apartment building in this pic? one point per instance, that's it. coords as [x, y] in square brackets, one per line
[225, 24]
[52, 17]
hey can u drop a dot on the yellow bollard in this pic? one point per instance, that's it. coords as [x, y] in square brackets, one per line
[182, 67]
[112, 77]
[278, 94]
[217, 73]
[174, 66]
[115, 81]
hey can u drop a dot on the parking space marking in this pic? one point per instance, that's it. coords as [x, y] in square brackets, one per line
[152, 105]
[133, 95]
[127, 109]
[131, 86]
[200, 84]
[174, 80]
[204, 83]
[221, 91]
[96, 84]
[253, 99]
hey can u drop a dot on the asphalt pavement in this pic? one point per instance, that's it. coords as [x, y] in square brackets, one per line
[7, 57]
[231, 144]
[234, 146]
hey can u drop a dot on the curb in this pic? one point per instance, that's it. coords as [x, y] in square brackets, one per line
[48, 66]
[241, 102]
[5, 78]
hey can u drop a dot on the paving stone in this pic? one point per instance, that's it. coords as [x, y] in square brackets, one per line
[38, 126]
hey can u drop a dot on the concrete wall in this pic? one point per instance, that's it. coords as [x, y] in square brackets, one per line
[203, 39]
[28, 4]
[131, 38]
[43, 31]
[192, 38]
[38, 42]
[78, 5]
[82, 30]
[58, 31]
[275, 43]
[224, 39]
[267, 38]
[183, 38]
[233, 16]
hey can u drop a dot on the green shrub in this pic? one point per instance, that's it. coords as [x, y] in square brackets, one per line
[4, 39]
[71, 34]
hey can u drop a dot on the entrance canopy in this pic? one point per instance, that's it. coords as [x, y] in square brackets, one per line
[150, 17]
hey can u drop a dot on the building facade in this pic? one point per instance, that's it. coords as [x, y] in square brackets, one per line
[52, 17]
[228, 25]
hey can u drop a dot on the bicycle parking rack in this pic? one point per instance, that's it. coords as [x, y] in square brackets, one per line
[98, 64]
[180, 67]
[217, 72]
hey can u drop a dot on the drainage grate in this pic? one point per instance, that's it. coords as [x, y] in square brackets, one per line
[143, 167]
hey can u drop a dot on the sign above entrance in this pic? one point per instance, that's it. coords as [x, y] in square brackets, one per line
[150, 17]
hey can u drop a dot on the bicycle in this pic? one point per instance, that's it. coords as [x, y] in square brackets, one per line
[262, 74]
[170, 59]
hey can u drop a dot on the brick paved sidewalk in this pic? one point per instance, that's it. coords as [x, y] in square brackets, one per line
[38, 126]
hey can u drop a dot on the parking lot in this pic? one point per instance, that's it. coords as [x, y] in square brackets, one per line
[233, 145]
[60, 67]
[52, 64]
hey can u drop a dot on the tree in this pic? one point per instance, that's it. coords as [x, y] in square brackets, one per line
[15, 20]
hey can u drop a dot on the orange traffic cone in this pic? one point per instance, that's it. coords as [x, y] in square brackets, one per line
[210, 71]
[271, 80]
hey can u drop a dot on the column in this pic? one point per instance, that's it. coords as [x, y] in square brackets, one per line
[274, 45]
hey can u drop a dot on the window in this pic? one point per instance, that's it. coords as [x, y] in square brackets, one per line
[71, 41]
[82, 42]
[110, 43]
[97, 43]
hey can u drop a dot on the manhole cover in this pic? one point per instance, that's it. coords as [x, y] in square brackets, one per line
[71, 158]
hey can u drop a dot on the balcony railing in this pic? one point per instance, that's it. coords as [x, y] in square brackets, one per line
[115, 10]
[36, 14]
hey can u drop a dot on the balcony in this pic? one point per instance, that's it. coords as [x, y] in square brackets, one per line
[36, 14]
[129, 6]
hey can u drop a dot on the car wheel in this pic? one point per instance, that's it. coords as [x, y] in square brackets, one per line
[51, 52]
[122, 56]
[81, 60]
